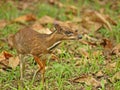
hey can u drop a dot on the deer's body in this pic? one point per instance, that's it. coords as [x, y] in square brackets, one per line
[28, 41]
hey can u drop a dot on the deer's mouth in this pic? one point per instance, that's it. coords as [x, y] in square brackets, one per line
[79, 36]
[75, 37]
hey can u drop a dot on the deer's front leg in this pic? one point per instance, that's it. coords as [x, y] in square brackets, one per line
[22, 66]
[42, 67]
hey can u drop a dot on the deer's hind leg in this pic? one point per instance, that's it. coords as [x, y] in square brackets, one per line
[41, 67]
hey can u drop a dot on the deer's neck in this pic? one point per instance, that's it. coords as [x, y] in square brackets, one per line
[53, 41]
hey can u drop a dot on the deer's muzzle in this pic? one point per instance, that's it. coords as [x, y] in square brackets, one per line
[79, 36]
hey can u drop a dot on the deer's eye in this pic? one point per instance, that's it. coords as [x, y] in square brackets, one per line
[68, 32]
[76, 30]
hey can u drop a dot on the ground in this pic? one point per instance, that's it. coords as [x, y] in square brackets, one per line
[92, 63]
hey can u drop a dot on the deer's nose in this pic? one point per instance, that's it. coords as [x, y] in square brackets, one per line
[79, 36]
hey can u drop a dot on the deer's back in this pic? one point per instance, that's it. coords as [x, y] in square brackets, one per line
[28, 41]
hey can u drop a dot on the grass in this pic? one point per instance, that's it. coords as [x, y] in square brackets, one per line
[8, 11]
[58, 73]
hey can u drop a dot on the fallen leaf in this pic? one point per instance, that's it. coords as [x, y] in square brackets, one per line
[116, 50]
[54, 57]
[110, 67]
[2, 71]
[49, 20]
[2, 57]
[102, 2]
[115, 77]
[25, 18]
[92, 19]
[44, 30]
[99, 74]
[46, 20]
[108, 45]
[24, 4]
[76, 19]
[97, 53]
[3, 61]
[4, 64]
[90, 25]
[8, 61]
[57, 3]
[3, 23]
[103, 19]
[88, 80]
[7, 55]
[108, 18]
[84, 52]
[39, 28]
[90, 38]
[14, 62]
[71, 9]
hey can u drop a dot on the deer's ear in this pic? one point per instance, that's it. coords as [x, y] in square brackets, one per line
[58, 27]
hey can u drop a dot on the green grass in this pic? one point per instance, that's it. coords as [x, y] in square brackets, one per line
[52, 11]
[8, 11]
[58, 73]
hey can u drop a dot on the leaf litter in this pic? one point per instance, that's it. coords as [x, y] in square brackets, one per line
[88, 80]
[91, 21]
[7, 61]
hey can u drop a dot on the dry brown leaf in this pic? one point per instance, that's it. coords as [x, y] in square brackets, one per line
[90, 25]
[4, 64]
[25, 18]
[3, 23]
[102, 2]
[84, 52]
[2, 71]
[76, 19]
[99, 74]
[71, 9]
[3, 60]
[46, 20]
[81, 62]
[91, 17]
[111, 66]
[108, 18]
[90, 38]
[116, 50]
[56, 2]
[97, 53]
[88, 80]
[23, 4]
[89, 41]
[97, 26]
[8, 61]
[44, 30]
[106, 43]
[84, 42]
[54, 57]
[14, 62]
[103, 20]
[39, 28]
[115, 77]
[7, 55]
[2, 57]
